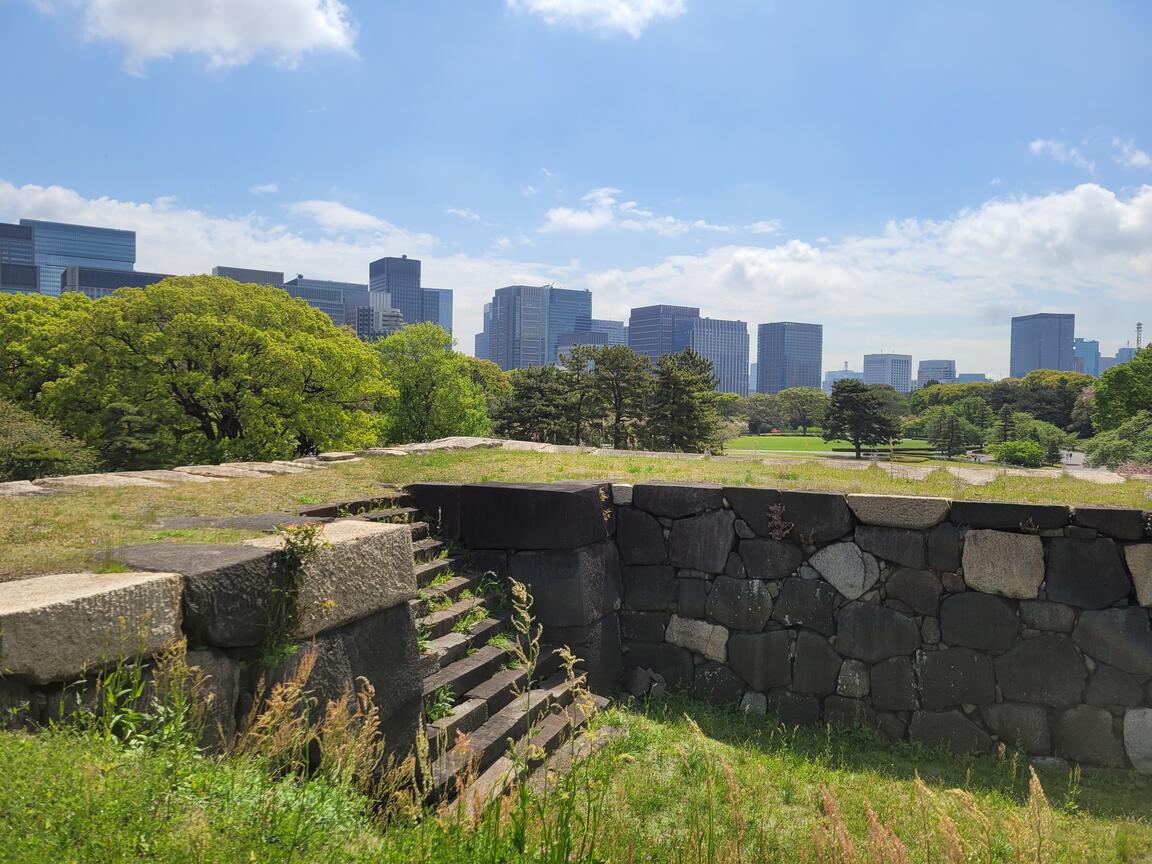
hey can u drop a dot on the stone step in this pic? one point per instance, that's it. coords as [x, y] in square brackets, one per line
[420, 530]
[466, 717]
[452, 646]
[498, 690]
[357, 506]
[452, 589]
[465, 674]
[427, 548]
[429, 570]
[390, 514]
[443, 622]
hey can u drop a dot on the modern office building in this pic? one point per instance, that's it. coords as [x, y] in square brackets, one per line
[59, 245]
[568, 311]
[325, 294]
[526, 322]
[482, 349]
[400, 277]
[18, 271]
[97, 282]
[1042, 341]
[753, 378]
[1123, 355]
[940, 371]
[1086, 356]
[724, 343]
[895, 370]
[834, 375]
[436, 306]
[368, 312]
[972, 378]
[652, 329]
[788, 354]
[250, 277]
[615, 332]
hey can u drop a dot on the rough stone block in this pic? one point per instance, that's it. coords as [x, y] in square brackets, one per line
[1139, 559]
[570, 587]
[948, 730]
[762, 659]
[944, 547]
[1138, 738]
[621, 494]
[1086, 573]
[598, 646]
[440, 504]
[806, 603]
[817, 666]
[640, 537]
[848, 568]
[891, 726]
[651, 588]
[898, 545]
[716, 683]
[794, 709]
[893, 685]
[643, 626]
[816, 517]
[710, 640]
[996, 562]
[740, 604]
[1043, 615]
[853, 680]
[734, 567]
[676, 500]
[1086, 734]
[54, 628]
[754, 704]
[1003, 516]
[488, 561]
[1022, 726]
[1118, 637]
[672, 663]
[752, 506]
[702, 542]
[770, 559]
[1120, 523]
[955, 676]
[362, 567]
[978, 620]
[918, 589]
[845, 713]
[873, 633]
[1045, 670]
[897, 511]
[220, 691]
[1110, 686]
[534, 515]
[692, 598]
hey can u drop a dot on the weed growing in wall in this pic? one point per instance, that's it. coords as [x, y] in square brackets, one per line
[301, 543]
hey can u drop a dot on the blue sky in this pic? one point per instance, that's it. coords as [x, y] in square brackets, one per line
[909, 174]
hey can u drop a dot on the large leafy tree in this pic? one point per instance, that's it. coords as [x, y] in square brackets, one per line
[1123, 391]
[209, 369]
[684, 414]
[35, 343]
[802, 407]
[951, 432]
[861, 414]
[1050, 395]
[436, 394]
[760, 411]
[1129, 443]
[622, 380]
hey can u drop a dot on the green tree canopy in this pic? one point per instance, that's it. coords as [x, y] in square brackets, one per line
[1129, 443]
[684, 417]
[34, 341]
[760, 411]
[802, 407]
[582, 401]
[622, 380]
[861, 414]
[31, 447]
[1123, 391]
[535, 409]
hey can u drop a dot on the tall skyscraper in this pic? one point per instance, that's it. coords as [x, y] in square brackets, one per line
[754, 378]
[568, 311]
[1123, 355]
[725, 343]
[941, 371]
[652, 329]
[527, 322]
[18, 272]
[436, 306]
[59, 245]
[895, 370]
[834, 375]
[788, 354]
[615, 332]
[97, 282]
[1042, 341]
[1086, 356]
[972, 378]
[400, 277]
[482, 350]
[329, 296]
[250, 277]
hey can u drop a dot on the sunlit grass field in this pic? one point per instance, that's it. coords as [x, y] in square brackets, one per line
[812, 443]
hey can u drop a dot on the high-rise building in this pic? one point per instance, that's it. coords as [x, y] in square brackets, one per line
[18, 271]
[19, 279]
[436, 306]
[1042, 341]
[788, 354]
[972, 378]
[400, 277]
[615, 332]
[1123, 355]
[250, 277]
[754, 378]
[325, 294]
[940, 371]
[97, 282]
[831, 377]
[895, 370]
[724, 343]
[652, 329]
[59, 244]
[527, 322]
[568, 311]
[482, 350]
[1086, 356]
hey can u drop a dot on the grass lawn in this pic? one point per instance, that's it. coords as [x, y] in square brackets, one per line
[76, 530]
[685, 783]
[802, 443]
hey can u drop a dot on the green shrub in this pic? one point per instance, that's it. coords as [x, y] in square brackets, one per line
[1128, 443]
[1029, 454]
[31, 447]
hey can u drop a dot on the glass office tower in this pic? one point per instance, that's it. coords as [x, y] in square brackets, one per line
[249, 276]
[895, 370]
[18, 272]
[59, 245]
[788, 354]
[400, 277]
[724, 343]
[96, 282]
[436, 306]
[568, 311]
[519, 331]
[1042, 341]
[652, 329]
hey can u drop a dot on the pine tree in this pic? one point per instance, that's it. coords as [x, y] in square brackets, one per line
[622, 380]
[684, 415]
[859, 414]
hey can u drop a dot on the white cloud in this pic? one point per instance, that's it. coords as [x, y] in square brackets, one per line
[463, 213]
[607, 16]
[338, 218]
[1062, 152]
[528, 191]
[603, 210]
[264, 189]
[1126, 153]
[229, 33]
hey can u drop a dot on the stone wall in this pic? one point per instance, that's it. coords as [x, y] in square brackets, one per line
[351, 603]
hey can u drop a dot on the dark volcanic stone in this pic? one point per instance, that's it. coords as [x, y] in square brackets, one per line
[978, 621]
[770, 559]
[691, 598]
[676, 500]
[640, 537]
[651, 588]
[598, 646]
[948, 730]
[1085, 733]
[533, 515]
[571, 587]
[1045, 670]
[1042, 615]
[702, 542]
[816, 517]
[1118, 637]
[806, 603]
[1022, 726]
[752, 505]
[891, 726]
[845, 713]
[673, 663]
[740, 604]
[1110, 686]
[718, 684]
[762, 659]
[893, 685]
[440, 504]
[1117, 522]
[1086, 573]
[956, 676]
[817, 666]
[944, 547]
[794, 709]
[899, 545]
[1008, 517]
[734, 567]
[919, 589]
[643, 626]
[872, 633]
